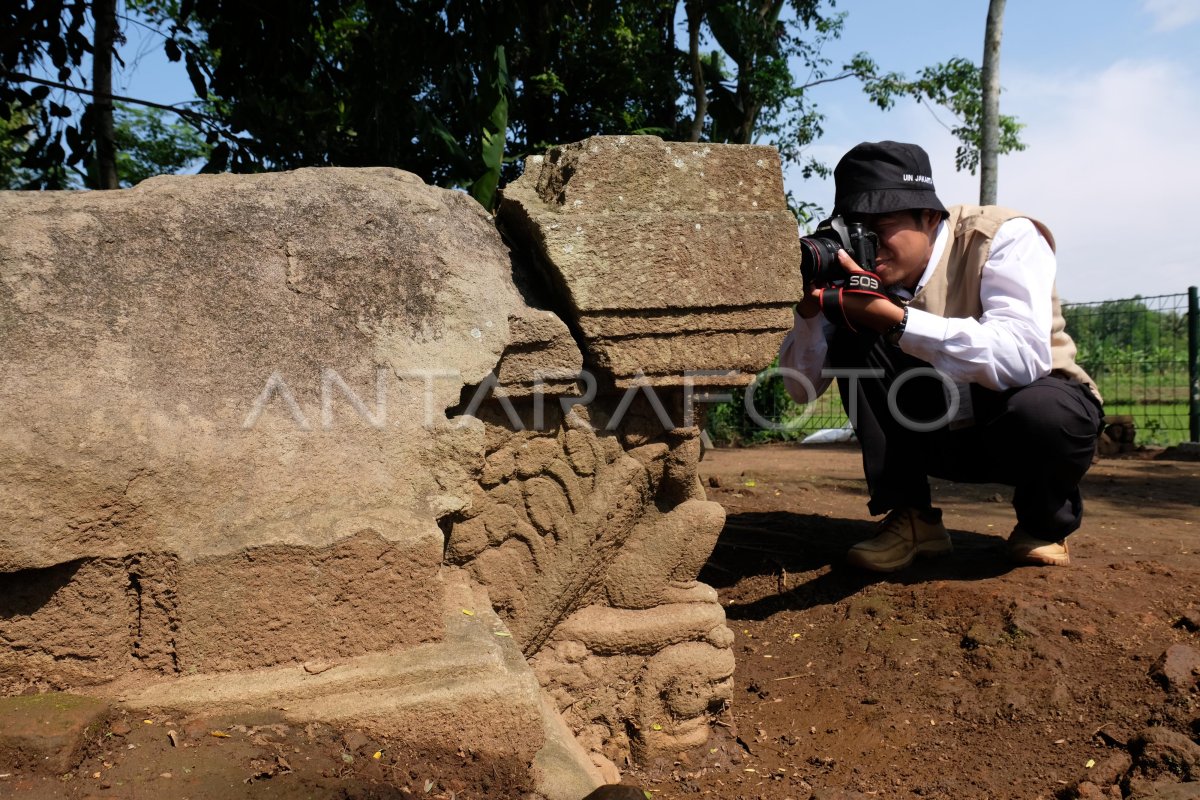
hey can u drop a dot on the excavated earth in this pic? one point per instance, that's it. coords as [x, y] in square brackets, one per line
[959, 678]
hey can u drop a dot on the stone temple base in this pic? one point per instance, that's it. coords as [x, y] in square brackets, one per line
[473, 689]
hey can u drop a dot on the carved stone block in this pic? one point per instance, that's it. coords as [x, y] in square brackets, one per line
[672, 257]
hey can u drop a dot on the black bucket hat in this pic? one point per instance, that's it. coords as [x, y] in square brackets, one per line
[881, 177]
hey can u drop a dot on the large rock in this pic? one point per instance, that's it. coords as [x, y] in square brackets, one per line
[1160, 752]
[155, 340]
[223, 432]
[670, 257]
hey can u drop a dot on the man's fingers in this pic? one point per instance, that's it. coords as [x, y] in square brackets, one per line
[810, 305]
[847, 261]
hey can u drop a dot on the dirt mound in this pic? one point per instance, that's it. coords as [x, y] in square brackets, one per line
[962, 677]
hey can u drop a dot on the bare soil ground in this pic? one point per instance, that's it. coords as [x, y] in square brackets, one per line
[962, 677]
[160, 755]
[959, 678]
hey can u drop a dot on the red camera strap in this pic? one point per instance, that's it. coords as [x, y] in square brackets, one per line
[832, 298]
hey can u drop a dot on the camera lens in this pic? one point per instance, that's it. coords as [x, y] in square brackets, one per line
[818, 260]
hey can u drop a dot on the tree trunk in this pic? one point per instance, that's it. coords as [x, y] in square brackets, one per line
[765, 19]
[105, 12]
[695, 16]
[990, 124]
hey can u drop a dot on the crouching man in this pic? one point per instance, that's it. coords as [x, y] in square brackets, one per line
[950, 357]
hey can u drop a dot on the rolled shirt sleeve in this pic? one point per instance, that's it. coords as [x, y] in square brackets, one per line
[1009, 345]
[803, 357]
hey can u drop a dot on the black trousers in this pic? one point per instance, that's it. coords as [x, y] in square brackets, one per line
[1038, 438]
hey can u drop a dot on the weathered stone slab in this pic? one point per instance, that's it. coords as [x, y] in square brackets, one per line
[429, 690]
[223, 430]
[541, 356]
[644, 173]
[473, 689]
[673, 257]
[142, 326]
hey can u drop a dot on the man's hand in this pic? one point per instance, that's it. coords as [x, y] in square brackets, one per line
[809, 305]
[863, 310]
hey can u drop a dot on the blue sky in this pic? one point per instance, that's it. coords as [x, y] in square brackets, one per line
[1109, 93]
[1110, 96]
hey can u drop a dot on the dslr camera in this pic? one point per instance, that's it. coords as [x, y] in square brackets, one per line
[818, 253]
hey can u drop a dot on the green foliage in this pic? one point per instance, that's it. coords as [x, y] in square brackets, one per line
[149, 142]
[955, 86]
[753, 92]
[494, 94]
[459, 91]
[41, 135]
[48, 129]
[153, 142]
[1137, 352]
[807, 213]
[442, 88]
[416, 84]
[1127, 336]
[730, 423]
[13, 145]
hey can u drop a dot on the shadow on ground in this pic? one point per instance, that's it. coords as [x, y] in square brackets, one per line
[805, 553]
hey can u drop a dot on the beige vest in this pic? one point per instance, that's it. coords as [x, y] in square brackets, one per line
[953, 290]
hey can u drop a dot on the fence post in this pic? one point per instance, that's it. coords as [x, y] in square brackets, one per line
[1194, 363]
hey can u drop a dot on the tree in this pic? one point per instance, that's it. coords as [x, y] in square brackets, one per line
[105, 174]
[41, 31]
[150, 141]
[972, 94]
[147, 142]
[33, 32]
[341, 82]
[60, 132]
[456, 91]
[956, 86]
[990, 118]
[432, 86]
[755, 96]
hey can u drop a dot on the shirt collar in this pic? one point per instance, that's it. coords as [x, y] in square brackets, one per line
[939, 247]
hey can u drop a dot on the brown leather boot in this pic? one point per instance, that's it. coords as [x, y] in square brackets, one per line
[900, 538]
[1026, 549]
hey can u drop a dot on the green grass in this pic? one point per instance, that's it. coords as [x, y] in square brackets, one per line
[1160, 415]
[1157, 401]
[1158, 424]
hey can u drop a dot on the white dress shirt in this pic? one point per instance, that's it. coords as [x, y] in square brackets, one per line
[1007, 347]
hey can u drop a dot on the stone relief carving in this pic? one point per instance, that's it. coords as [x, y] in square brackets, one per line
[589, 542]
[672, 264]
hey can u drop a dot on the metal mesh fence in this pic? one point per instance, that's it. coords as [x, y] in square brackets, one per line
[1137, 350]
[767, 413]
[1140, 351]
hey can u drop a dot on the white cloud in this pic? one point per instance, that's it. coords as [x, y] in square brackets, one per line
[1112, 168]
[1171, 15]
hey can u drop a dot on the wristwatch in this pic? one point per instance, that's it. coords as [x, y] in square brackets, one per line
[892, 335]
